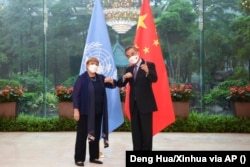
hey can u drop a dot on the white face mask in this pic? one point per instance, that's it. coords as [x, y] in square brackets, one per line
[93, 68]
[133, 59]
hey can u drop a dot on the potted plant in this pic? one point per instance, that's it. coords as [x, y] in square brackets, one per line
[9, 96]
[64, 96]
[240, 97]
[181, 95]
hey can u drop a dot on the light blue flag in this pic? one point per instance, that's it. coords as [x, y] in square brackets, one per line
[98, 45]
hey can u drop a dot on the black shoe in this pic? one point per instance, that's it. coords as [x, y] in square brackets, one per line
[79, 163]
[96, 161]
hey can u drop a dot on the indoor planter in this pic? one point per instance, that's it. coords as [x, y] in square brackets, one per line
[242, 109]
[181, 95]
[181, 108]
[65, 106]
[65, 109]
[240, 98]
[9, 96]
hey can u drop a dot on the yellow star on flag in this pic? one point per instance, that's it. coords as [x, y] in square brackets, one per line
[141, 21]
[146, 50]
[156, 42]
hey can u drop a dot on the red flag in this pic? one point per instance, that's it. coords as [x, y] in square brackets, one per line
[146, 40]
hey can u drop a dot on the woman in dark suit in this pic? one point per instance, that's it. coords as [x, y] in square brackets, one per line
[142, 104]
[90, 112]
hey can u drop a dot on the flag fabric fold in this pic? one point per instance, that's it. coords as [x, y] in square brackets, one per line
[146, 40]
[98, 45]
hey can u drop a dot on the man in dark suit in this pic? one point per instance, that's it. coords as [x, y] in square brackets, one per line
[142, 104]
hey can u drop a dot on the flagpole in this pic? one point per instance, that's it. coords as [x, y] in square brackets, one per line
[45, 24]
[201, 28]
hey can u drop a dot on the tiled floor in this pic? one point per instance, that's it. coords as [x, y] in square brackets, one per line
[56, 149]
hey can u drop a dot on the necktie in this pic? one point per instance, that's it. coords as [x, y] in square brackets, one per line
[135, 71]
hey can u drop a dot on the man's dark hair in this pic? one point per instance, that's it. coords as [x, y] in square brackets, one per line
[131, 47]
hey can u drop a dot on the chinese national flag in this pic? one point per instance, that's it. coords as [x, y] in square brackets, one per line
[146, 40]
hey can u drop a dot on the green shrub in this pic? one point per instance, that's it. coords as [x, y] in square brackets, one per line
[32, 80]
[5, 82]
[195, 122]
[32, 103]
[220, 92]
[70, 81]
[212, 123]
[217, 96]
[36, 124]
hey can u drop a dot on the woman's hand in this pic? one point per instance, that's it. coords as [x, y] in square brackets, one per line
[76, 114]
[109, 80]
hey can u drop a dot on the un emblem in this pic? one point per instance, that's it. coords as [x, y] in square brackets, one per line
[106, 62]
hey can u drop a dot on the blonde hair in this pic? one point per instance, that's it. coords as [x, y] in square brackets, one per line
[92, 59]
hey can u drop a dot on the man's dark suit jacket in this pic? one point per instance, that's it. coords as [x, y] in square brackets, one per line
[141, 88]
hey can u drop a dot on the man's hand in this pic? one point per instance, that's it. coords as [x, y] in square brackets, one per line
[127, 75]
[145, 67]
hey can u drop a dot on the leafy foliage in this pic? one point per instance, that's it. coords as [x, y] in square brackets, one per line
[33, 103]
[213, 123]
[70, 81]
[64, 93]
[176, 28]
[239, 93]
[181, 92]
[195, 122]
[12, 83]
[221, 91]
[37, 124]
[11, 94]
[218, 93]
[22, 35]
[32, 80]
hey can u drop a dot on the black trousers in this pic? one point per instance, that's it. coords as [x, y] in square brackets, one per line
[142, 130]
[81, 137]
